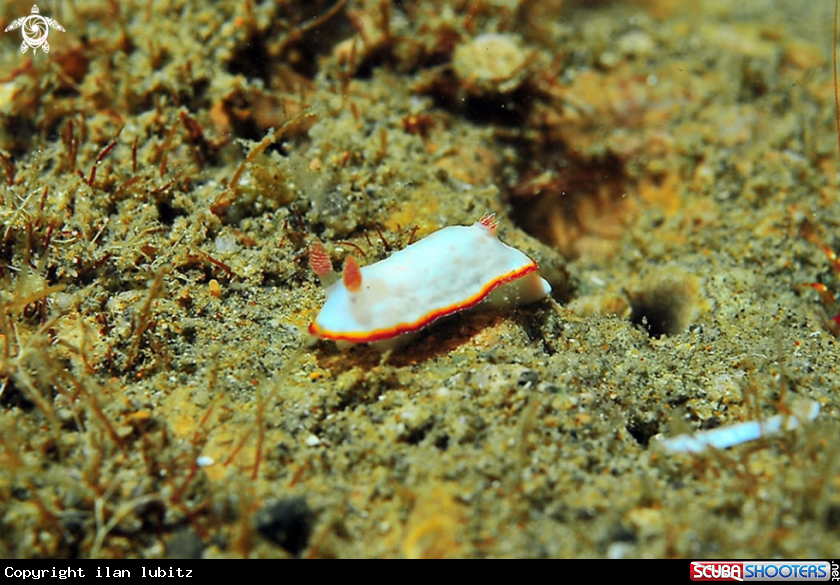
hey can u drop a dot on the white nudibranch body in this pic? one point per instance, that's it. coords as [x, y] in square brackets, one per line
[449, 271]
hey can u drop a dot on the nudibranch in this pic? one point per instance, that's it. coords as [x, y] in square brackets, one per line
[449, 271]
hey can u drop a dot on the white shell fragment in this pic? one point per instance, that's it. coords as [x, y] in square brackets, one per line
[451, 270]
[729, 436]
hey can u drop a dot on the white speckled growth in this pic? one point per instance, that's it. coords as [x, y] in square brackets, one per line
[451, 270]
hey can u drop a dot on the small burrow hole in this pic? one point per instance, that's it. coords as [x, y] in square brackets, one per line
[642, 431]
[666, 305]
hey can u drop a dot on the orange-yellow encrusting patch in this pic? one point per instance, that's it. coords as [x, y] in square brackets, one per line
[451, 270]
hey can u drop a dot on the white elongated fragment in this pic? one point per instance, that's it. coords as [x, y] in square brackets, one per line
[731, 435]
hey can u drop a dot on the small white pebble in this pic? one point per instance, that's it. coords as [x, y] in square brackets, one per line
[226, 244]
[205, 461]
[312, 441]
[619, 550]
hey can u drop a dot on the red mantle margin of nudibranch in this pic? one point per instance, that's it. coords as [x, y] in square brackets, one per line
[381, 334]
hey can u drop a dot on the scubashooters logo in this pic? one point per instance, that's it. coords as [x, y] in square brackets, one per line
[761, 571]
[717, 571]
